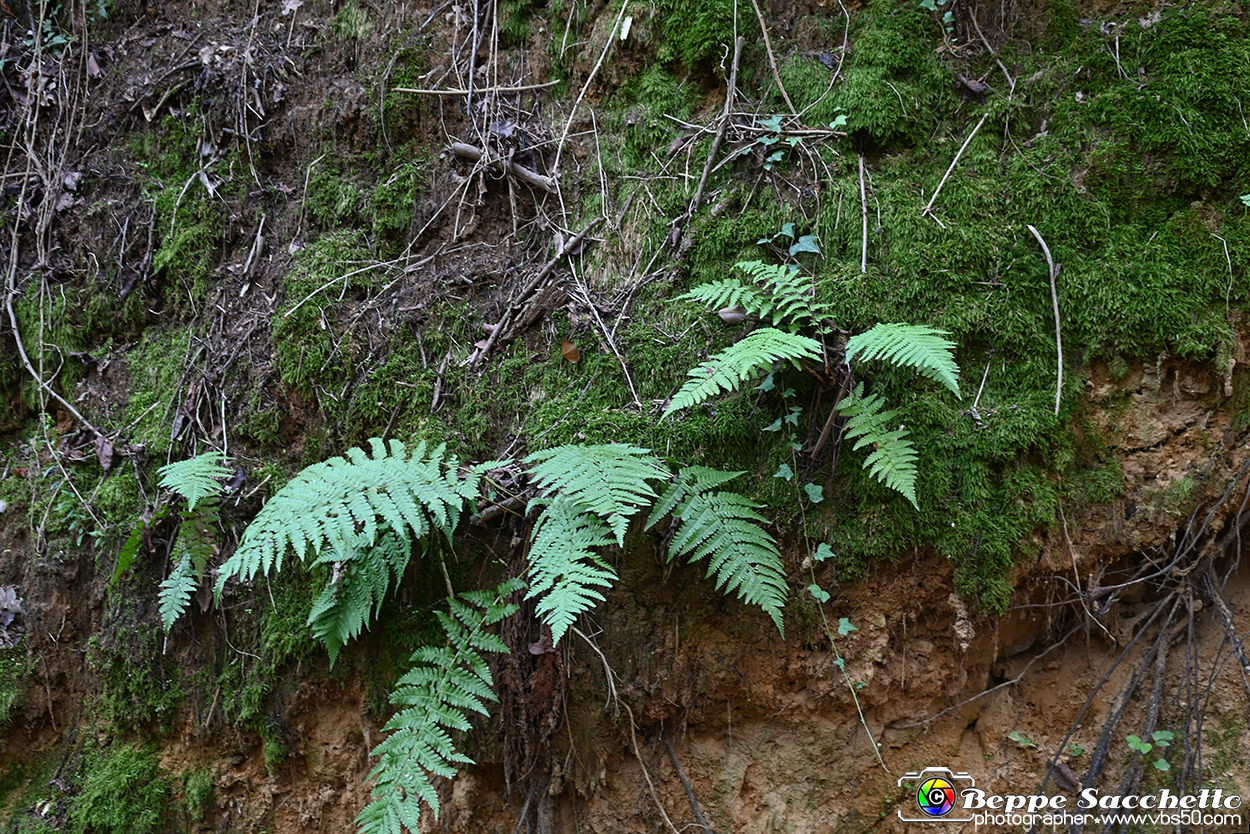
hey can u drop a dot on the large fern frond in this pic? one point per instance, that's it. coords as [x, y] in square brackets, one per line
[893, 459]
[435, 698]
[345, 503]
[728, 369]
[610, 480]
[911, 345]
[195, 478]
[788, 299]
[565, 571]
[725, 528]
[362, 577]
[196, 545]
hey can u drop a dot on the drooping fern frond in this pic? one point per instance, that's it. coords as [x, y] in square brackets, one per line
[728, 369]
[435, 698]
[344, 504]
[788, 298]
[176, 591]
[196, 478]
[609, 480]
[565, 571]
[893, 459]
[362, 577]
[911, 345]
[725, 528]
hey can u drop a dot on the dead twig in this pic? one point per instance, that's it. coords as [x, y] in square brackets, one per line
[772, 60]
[1053, 270]
[720, 131]
[928, 208]
[481, 90]
[863, 202]
[681, 774]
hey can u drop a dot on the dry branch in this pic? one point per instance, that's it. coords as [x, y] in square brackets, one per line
[474, 154]
[1054, 298]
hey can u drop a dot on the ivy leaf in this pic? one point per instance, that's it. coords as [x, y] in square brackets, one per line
[1162, 764]
[820, 593]
[1245, 198]
[823, 552]
[1163, 738]
[784, 471]
[768, 384]
[772, 123]
[787, 230]
[774, 426]
[815, 492]
[840, 121]
[845, 627]
[807, 243]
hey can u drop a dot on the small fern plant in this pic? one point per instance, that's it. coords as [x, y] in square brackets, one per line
[199, 481]
[778, 295]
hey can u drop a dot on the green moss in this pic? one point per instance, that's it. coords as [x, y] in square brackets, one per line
[697, 33]
[140, 684]
[155, 365]
[197, 792]
[124, 791]
[656, 94]
[14, 668]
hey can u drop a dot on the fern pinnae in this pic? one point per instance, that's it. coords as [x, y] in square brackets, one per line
[893, 459]
[445, 684]
[728, 369]
[610, 480]
[196, 478]
[911, 345]
[565, 572]
[338, 501]
[362, 578]
[176, 591]
[727, 292]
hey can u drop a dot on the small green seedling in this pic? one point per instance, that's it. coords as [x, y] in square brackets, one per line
[1161, 739]
[1021, 739]
[1075, 750]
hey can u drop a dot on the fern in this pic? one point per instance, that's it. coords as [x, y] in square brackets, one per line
[728, 292]
[435, 698]
[198, 481]
[565, 572]
[781, 296]
[609, 480]
[345, 504]
[728, 369]
[788, 299]
[893, 459]
[196, 478]
[176, 591]
[361, 580]
[910, 345]
[725, 528]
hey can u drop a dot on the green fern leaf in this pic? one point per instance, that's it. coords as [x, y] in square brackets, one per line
[690, 480]
[445, 684]
[911, 345]
[728, 369]
[354, 596]
[176, 591]
[728, 292]
[788, 299]
[893, 459]
[196, 478]
[344, 504]
[564, 569]
[609, 480]
[725, 528]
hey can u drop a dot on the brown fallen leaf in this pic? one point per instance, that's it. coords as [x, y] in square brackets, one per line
[569, 351]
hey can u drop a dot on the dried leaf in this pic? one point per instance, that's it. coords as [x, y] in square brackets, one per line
[569, 351]
[93, 66]
[289, 6]
[72, 179]
[105, 452]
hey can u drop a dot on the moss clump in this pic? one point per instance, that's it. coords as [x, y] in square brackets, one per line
[123, 792]
[155, 367]
[14, 666]
[140, 684]
[197, 793]
[656, 93]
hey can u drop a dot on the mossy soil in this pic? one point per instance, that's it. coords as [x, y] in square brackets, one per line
[292, 296]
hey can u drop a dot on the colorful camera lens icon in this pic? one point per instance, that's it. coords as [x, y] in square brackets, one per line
[937, 791]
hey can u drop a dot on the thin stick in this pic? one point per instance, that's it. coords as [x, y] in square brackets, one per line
[650, 786]
[954, 162]
[863, 203]
[457, 92]
[724, 123]
[772, 60]
[568, 125]
[1054, 298]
